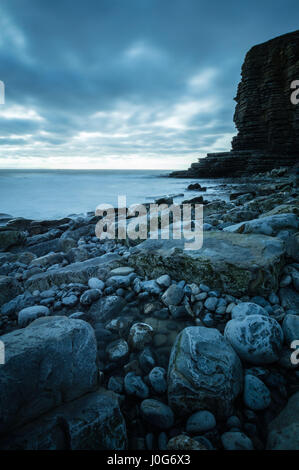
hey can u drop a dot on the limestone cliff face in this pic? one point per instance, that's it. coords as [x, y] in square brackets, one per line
[264, 116]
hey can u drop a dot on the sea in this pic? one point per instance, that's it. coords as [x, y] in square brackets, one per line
[48, 194]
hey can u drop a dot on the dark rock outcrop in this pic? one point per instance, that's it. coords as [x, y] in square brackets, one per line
[266, 119]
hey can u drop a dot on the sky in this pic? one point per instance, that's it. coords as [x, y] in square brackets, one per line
[125, 84]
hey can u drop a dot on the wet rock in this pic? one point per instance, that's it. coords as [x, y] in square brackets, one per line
[122, 271]
[140, 335]
[173, 295]
[93, 422]
[289, 299]
[29, 314]
[204, 373]
[200, 422]
[117, 350]
[50, 361]
[164, 280]
[9, 288]
[256, 338]
[76, 272]
[270, 225]
[157, 413]
[256, 395]
[9, 238]
[107, 308]
[70, 300]
[95, 283]
[290, 327]
[135, 386]
[183, 442]
[236, 440]
[284, 429]
[90, 296]
[157, 379]
[244, 309]
[235, 263]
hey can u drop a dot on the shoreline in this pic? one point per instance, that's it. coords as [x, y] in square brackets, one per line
[149, 321]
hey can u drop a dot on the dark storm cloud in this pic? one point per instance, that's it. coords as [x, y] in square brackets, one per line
[116, 77]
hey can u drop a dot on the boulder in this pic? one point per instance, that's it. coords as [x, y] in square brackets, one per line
[92, 422]
[270, 225]
[204, 373]
[9, 288]
[140, 335]
[256, 395]
[283, 431]
[236, 263]
[29, 314]
[50, 362]
[200, 422]
[9, 238]
[107, 308]
[184, 443]
[289, 299]
[244, 309]
[173, 295]
[236, 440]
[157, 413]
[256, 339]
[75, 272]
[290, 327]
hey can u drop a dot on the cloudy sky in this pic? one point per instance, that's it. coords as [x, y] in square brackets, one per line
[125, 83]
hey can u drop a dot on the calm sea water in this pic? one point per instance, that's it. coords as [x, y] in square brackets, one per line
[40, 194]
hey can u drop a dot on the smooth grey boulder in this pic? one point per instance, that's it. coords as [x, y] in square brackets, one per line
[248, 308]
[283, 431]
[157, 413]
[204, 373]
[237, 264]
[92, 422]
[50, 362]
[256, 339]
[290, 327]
[29, 314]
[79, 272]
[256, 395]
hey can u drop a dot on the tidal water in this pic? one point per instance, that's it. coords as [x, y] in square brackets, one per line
[41, 194]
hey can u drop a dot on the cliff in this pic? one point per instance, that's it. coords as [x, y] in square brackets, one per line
[266, 120]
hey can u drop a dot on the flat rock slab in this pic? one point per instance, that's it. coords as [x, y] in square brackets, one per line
[75, 272]
[50, 362]
[236, 263]
[93, 422]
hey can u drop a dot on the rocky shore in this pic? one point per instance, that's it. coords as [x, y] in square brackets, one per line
[115, 345]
